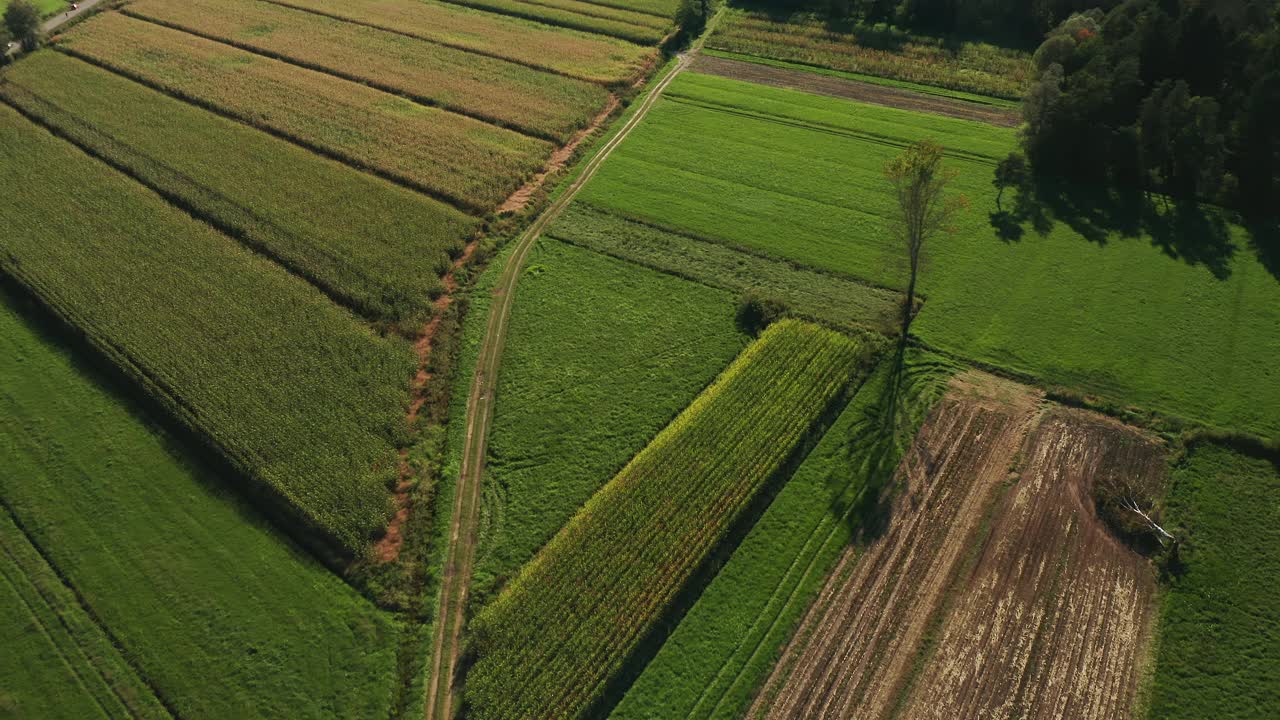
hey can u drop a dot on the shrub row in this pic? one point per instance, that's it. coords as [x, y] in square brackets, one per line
[565, 627]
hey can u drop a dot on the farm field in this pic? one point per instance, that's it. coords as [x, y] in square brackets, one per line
[187, 579]
[1218, 652]
[563, 629]
[46, 7]
[636, 27]
[220, 337]
[967, 66]
[450, 155]
[725, 646]
[375, 247]
[824, 297]
[496, 91]
[595, 365]
[577, 54]
[980, 561]
[798, 177]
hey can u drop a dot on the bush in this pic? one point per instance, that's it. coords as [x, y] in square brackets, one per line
[757, 310]
[22, 21]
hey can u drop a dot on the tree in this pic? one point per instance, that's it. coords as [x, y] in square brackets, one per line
[1010, 172]
[1128, 502]
[920, 183]
[22, 20]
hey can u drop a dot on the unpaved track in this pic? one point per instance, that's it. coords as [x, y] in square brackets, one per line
[1052, 623]
[460, 554]
[839, 87]
[857, 643]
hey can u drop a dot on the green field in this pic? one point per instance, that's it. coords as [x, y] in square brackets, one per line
[46, 7]
[564, 629]
[731, 637]
[824, 297]
[295, 391]
[799, 177]
[377, 248]
[804, 38]
[600, 355]
[192, 583]
[1218, 642]
[452, 156]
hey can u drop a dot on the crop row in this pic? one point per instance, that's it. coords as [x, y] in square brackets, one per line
[969, 66]
[496, 91]
[635, 27]
[295, 392]
[550, 644]
[373, 246]
[665, 9]
[590, 57]
[454, 157]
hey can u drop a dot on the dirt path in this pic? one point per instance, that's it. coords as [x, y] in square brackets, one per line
[460, 554]
[518, 199]
[1053, 621]
[855, 647]
[854, 90]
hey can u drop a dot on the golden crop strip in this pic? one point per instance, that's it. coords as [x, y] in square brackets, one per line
[467, 161]
[596, 58]
[500, 92]
[634, 27]
[563, 629]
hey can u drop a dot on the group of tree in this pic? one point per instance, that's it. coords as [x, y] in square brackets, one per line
[1171, 96]
[22, 23]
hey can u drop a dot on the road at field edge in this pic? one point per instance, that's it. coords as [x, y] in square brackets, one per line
[460, 554]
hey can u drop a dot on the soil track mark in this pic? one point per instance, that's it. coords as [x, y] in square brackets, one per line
[855, 646]
[1053, 621]
[838, 87]
[520, 198]
[460, 553]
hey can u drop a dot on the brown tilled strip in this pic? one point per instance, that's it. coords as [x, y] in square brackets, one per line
[838, 87]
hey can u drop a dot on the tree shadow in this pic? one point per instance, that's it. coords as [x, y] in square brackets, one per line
[1189, 231]
[1264, 239]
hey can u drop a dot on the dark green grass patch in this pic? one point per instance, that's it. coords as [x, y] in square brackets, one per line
[732, 636]
[1181, 319]
[820, 296]
[1218, 643]
[293, 390]
[376, 247]
[222, 616]
[600, 355]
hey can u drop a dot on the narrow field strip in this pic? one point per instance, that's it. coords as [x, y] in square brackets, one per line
[826, 298]
[803, 38]
[87, 657]
[551, 644]
[451, 156]
[495, 91]
[857, 641]
[637, 28]
[301, 397]
[586, 56]
[371, 245]
[665, 9]
[728, 642]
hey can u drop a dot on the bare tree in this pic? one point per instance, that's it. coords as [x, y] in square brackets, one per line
[925, 209]
[1129, 502]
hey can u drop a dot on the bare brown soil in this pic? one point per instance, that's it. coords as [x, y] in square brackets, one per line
[854, 90]
[993, 593]
[1052, 622]
[521, 197]
[387, 549]
[856, 644]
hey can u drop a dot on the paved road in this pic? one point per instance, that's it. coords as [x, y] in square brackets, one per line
[460, 555]
[56, 21]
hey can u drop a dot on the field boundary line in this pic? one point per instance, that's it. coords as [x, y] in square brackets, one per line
[334, 73]
[92, 616]
[597, 12]
[555, 22]
[460, 554]
[442, 43]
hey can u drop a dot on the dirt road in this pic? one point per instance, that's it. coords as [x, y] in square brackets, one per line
[460, 554]
[811, 82]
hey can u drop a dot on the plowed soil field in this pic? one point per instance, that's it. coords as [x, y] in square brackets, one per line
[994, 591]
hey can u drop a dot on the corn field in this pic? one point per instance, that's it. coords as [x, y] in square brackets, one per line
[639, 28]
[565, 627]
